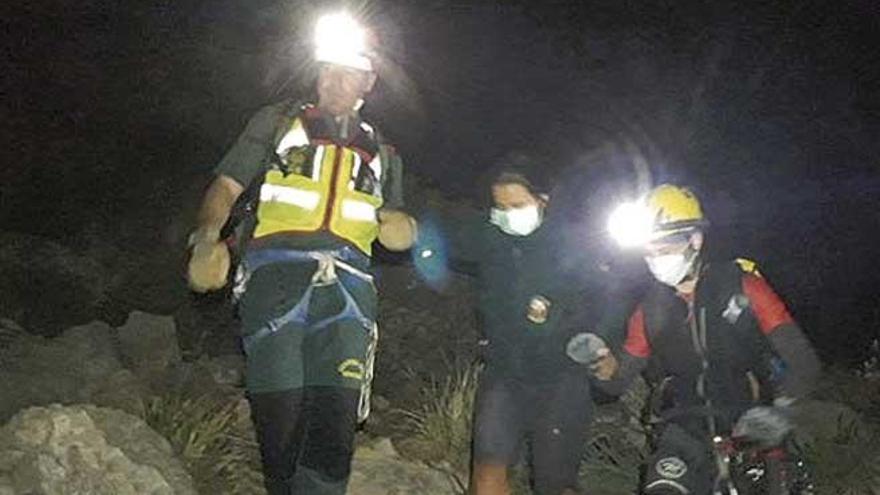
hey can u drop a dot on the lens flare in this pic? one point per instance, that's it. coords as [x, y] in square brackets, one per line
[339, 39]
[630, 225]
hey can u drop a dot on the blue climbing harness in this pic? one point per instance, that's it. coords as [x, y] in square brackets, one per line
[325, 275]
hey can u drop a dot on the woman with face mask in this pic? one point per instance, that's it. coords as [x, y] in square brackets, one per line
[529, 389]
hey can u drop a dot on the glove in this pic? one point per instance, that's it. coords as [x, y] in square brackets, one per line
[209, 263]
[397, 230]
[764, 425]
[586, 348]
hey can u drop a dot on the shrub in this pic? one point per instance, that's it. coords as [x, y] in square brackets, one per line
[440, 435]
[441, 426]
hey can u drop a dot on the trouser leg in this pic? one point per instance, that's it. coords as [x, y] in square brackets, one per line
[325, 462]
[559, 433]
[336, 361]
[280, 425]
[498, 434]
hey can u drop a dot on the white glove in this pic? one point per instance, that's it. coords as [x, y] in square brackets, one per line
[767, 426]
[586, 348]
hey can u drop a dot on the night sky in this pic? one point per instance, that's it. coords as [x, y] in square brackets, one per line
[114, 115]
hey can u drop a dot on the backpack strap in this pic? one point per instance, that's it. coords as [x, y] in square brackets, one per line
[392, 175]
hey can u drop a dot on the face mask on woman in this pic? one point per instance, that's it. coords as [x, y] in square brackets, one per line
[520, 221]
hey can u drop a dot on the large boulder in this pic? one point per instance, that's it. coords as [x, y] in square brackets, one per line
[86, 450]
[79, 366]
[818, 420]
[377, 469]
[148, 343]
[47, 286]
[10, 331]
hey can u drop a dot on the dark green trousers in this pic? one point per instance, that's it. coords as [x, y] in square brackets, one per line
[304, 383]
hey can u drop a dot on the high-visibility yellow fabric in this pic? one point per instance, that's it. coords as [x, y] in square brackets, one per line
[322, 197]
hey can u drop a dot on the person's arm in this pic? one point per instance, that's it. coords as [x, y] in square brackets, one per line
[209, 261]
[802, 366]
[628, 368]
[619, 302]
[214, 211]
[398, 230]
[614, 375]
[244, 161]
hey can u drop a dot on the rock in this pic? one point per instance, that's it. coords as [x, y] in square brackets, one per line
[148, 344]
[11, 331]
[818, 419]
[380, 403]
[47, 286]
[119, 390]
[227, 370]
[378, 470]
[11, 326]
[79, 366]
[86, 450]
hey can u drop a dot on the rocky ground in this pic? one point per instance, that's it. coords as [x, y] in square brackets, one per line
[154, 403]
[80, 412]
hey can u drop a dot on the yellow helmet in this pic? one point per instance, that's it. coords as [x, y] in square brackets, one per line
[674, 209]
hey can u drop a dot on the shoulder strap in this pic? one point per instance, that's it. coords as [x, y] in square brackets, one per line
[289, 110]
[240, 224]
[392, 167]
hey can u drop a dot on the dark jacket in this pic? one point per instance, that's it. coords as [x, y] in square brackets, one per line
[736, 323]
[517, 276]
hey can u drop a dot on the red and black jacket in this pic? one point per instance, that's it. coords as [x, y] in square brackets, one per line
[745, 324]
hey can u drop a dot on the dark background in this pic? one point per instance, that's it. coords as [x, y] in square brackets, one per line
[115, 112]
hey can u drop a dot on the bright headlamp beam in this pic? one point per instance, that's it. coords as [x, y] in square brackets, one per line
[630, 225]
[339, 39]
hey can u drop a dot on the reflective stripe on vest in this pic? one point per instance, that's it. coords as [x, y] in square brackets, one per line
[308, 200]
[322, 198]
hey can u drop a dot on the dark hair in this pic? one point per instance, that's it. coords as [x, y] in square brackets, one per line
[517, 167]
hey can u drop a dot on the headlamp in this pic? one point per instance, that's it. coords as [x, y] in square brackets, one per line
[631, 224]
[340, 40]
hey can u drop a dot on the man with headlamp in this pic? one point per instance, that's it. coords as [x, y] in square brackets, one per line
[326, 186]
[715, 335]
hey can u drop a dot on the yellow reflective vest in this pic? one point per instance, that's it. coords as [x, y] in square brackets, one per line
[318, 182]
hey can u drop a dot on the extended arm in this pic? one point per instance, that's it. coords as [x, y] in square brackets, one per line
[215, 209]
[785, 336]
[615, 375]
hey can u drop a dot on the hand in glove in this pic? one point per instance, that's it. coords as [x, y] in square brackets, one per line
[764, 425]
[209, 263]
[397, 230]
[590, 349]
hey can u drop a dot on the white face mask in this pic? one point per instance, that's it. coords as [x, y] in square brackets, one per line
[517, 221]
[670, 269]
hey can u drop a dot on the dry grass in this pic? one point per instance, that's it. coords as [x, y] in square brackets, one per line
[847, 461]
[844, 458]
[440, 430]
[206, 434]
[618, 444]
[440, 435]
